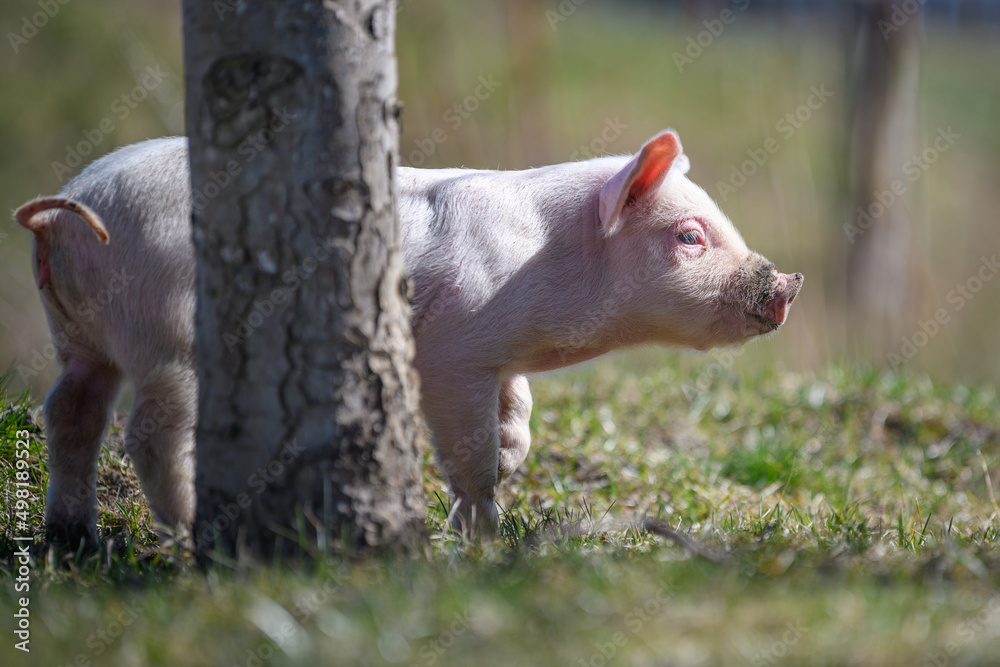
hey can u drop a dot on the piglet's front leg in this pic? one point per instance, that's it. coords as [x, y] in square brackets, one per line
[462, 412]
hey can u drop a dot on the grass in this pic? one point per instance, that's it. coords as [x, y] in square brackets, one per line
[855, 509]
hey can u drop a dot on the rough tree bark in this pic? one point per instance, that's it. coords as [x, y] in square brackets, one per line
[307, 401]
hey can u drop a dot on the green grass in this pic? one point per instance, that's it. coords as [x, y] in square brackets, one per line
[852, 506]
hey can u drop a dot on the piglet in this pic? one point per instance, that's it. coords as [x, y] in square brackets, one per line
[513, 273]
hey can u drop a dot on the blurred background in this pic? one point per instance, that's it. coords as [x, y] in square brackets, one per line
[856, 142]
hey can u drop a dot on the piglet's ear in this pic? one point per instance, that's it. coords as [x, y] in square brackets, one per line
[640, 178]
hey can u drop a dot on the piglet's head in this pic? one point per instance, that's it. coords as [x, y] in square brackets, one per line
[681, 270]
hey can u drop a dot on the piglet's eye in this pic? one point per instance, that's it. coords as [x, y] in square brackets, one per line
[688, 238]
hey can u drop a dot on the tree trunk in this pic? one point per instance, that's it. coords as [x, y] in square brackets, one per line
[307, 423]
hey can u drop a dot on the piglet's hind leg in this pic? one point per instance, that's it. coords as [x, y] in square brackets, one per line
[77, 411]
[160, 441]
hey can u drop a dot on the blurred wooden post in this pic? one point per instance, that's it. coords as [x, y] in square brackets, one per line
[884, 83]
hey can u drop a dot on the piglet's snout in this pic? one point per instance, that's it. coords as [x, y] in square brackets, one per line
[786, 287]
